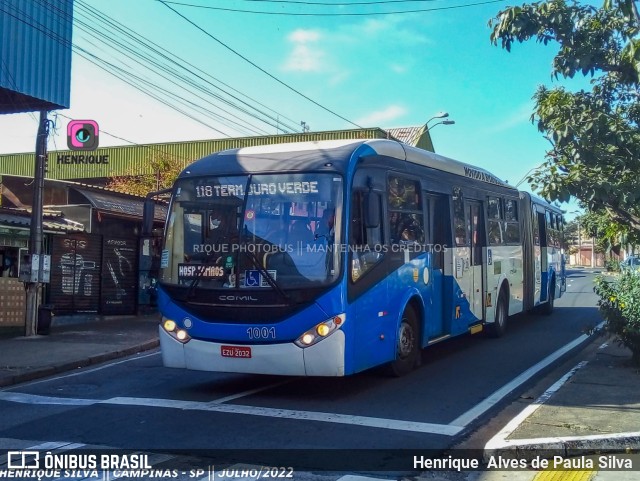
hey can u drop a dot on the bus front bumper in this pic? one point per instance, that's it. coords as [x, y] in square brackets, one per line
[325, 358]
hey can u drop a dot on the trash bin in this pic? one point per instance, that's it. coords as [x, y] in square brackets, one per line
[45, 314]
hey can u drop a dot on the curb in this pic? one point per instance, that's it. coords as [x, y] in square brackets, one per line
[71, 365]
[570, 446]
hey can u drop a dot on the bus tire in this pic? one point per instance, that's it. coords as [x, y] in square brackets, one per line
[407, 345]
[547, 307]
[499, 326]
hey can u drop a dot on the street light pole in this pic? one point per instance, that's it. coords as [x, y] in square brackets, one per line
[444, 122]
[426, 128]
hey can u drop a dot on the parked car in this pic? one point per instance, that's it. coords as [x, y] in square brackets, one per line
[631, 263]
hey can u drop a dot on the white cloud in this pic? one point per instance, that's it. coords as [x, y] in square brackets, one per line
[383, 117]
[306, 55]
[304, 36]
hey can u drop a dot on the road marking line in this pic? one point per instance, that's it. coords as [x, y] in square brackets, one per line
[380, 423]
[51, 445]
[353, 477]
[249, 392]
[493, 399]
[22, 398]
[80, 373]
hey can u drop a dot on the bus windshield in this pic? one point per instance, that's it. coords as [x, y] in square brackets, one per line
[277, 231]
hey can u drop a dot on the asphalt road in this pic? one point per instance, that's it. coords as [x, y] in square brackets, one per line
[137, 404]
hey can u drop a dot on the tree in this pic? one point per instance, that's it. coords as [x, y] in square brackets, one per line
[571, 237]
[594, 135]
[165, 170]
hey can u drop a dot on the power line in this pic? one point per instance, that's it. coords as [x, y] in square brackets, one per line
[338, 14]
[170, 57]
[257, 66]
[116, 43]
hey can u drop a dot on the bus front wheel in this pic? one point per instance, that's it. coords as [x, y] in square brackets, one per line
[407, 345]
[547, 309]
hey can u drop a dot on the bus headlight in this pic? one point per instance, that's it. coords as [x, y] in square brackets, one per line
[174, 331]
[320, 331]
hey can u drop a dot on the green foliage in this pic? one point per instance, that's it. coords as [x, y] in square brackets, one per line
[595, 135]
[612, 265]
[165, 171]
[620, 306]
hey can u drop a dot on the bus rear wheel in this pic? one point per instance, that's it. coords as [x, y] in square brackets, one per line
[407, 345]
[499, 326]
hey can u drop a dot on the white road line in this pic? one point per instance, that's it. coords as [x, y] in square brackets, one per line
[84, 371]
[51, 445]
[493, 399]
[353, 477]
[23, 398]
[380, 423]
[249, 392]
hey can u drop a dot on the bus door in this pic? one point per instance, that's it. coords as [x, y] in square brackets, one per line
[475, 227]
[467, 301]
[438, 221]
[542, 279]
[367, 291]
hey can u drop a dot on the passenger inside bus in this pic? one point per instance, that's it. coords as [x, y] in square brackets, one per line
[326, 224]
[300, 233]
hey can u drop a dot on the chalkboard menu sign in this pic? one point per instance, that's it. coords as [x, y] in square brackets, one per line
[119, 276]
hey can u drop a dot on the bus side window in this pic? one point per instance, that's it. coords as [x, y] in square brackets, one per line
[366, 243]
[459, 222]
[542, 226]
[551, 229]
[511, 225]
[494, 218]
[406, 219]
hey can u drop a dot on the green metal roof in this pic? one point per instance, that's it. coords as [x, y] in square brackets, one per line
[135, 159]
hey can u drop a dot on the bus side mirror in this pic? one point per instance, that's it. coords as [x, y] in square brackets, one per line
[148, 212]
[372, 213]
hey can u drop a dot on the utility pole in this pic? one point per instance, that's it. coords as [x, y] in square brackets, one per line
[35, 233]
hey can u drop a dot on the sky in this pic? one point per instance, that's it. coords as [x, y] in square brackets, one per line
[360, 68]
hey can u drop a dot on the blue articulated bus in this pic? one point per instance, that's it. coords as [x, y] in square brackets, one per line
[329, 258]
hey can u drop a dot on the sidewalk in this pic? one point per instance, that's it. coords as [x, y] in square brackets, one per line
[70, 346]
[590, 413]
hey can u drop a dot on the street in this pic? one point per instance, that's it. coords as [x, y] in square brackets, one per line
[136, 404]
